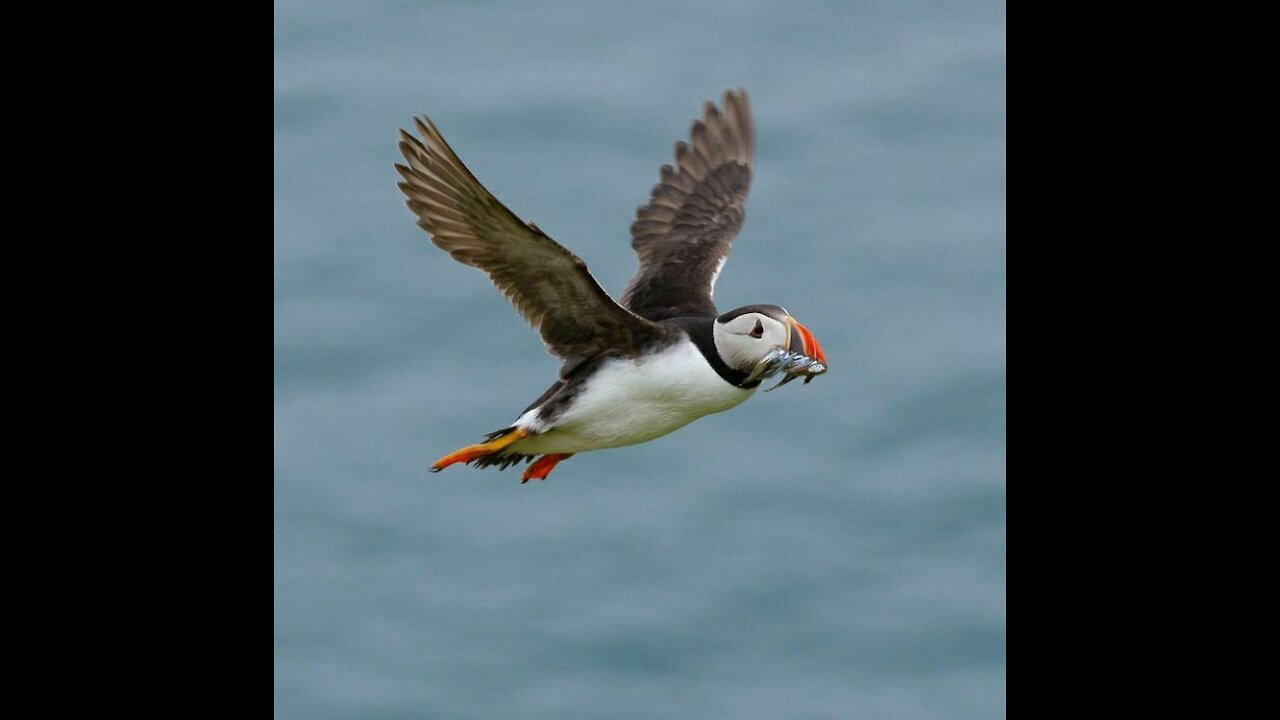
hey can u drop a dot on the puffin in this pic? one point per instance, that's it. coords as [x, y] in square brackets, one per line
[637, 368]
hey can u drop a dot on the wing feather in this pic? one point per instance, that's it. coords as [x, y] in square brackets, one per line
[682, 236]
[550, 286]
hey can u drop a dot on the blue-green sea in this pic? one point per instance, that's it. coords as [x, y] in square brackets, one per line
[835, 550]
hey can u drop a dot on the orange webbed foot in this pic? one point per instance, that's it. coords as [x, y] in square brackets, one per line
[541, 467]
[471, 452]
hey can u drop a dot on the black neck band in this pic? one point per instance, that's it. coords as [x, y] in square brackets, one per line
[702, 332]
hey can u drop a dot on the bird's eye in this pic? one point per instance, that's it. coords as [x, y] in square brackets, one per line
[758, 331]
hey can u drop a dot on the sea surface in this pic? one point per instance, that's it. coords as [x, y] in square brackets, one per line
[835, 550]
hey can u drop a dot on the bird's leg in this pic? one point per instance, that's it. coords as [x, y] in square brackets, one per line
[471, 452]
[541, 467]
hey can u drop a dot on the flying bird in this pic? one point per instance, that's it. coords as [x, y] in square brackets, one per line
[634, 369]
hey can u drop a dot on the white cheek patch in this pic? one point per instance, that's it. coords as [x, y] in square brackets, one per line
[775, 333]
[735, 345]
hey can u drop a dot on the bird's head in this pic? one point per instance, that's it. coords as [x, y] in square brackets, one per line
[760, 340]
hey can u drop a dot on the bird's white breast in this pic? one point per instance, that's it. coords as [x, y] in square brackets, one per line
[633, 400]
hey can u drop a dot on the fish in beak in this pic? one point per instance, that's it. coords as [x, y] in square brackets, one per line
[802, 357]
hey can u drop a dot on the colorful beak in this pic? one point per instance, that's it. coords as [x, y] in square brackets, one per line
[802, 341]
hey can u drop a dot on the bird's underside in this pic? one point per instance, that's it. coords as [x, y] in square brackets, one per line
[612, 390]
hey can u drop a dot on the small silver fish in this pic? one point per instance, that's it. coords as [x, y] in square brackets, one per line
[794, 364]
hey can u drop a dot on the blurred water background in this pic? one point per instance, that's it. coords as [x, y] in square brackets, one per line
[835, 550]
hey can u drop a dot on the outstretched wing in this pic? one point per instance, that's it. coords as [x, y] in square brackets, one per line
[682, 236]
[549, 285]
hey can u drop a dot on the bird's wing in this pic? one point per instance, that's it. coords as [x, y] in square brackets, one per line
[682, 236]
[549, 285]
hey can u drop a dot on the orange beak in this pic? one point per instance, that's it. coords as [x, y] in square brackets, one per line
[803, 341]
